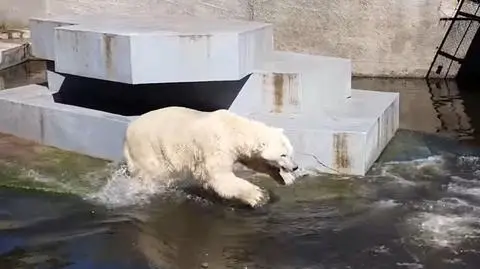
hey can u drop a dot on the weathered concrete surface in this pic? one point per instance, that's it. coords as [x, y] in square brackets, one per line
[13, 53]
[15, 13]
[29, 112]
[387, 38]
[343, 140]
[239, 9]
[313, 81]
[151, 50]
[382, 37]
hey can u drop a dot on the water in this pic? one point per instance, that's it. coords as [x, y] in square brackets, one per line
[419, 207]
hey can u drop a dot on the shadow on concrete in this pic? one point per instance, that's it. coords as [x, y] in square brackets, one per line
[131, 100]
[31, 72]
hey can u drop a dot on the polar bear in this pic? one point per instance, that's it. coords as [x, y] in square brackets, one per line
[178, 142]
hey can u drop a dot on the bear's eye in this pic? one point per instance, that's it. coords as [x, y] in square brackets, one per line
[283, 155]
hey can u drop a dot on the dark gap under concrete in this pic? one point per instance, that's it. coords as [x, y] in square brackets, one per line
[130, 100]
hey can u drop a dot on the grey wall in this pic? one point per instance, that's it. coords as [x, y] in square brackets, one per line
[382, 37]
[15, 13]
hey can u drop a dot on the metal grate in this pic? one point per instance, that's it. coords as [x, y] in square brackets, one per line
[457, 40]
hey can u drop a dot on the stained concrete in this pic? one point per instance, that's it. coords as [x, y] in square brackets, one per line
[333, 128]
[30, 112]
[13, 53]
[382, 37]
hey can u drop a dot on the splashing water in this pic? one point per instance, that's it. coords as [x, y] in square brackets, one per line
[431, 166]
[445, 230]
[446, 222]
[123, 190]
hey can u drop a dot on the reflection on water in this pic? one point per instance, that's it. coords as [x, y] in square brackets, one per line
[436, 106]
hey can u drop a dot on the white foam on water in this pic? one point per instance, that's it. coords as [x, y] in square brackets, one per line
[471, 161]
[407, 173]
[410, 265]
[124, 190]
[449, 221]
[432, 161]
[462, 186]
[386, 204]
[445, 230]
[446, 223]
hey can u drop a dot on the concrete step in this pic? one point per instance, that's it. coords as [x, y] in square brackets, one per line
[83, 42]
[145, 51]
[13, 52]
[344, 140]
[288, 82]
[30, 112]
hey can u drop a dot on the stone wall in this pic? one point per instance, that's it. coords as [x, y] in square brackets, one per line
[382, 37]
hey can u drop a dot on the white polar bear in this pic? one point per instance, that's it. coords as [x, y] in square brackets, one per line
[177, 142]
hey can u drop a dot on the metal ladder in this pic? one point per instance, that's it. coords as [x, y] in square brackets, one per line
[451, 52]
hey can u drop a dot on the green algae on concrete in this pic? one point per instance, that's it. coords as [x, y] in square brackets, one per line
[28, 165]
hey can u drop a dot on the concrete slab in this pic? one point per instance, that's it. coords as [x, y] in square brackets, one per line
[346, 140]
[283, 78]
[42, 32]
[138, 51]
[29, 112]
[13, 53]
[340, 140]
[288, 82]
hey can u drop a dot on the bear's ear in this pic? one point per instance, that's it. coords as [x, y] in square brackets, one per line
[281, 130]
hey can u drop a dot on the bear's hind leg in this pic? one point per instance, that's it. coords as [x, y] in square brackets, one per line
[229, 186]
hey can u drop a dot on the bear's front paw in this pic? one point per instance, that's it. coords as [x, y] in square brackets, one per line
[257, 197]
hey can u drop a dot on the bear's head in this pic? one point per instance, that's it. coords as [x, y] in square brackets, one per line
[277, 151]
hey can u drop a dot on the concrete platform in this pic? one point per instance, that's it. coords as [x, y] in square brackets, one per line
[342, 135]
[346, 140]
[13, 53]
[145, 51]
[285, 82]
[30, 112]
[202, 64]
[288, 82]
[342, 140]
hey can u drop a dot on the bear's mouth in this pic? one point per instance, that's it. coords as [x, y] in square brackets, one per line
[281, 175]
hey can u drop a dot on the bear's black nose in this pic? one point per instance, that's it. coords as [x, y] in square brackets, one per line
[295, 168]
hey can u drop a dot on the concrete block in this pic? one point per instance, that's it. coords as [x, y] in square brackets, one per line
[29, 112]
[139, 50]
[22, 93]
[86, 131]
[342, 140]
[42, 31]
[12, 53]
[296, 83]
[16, 117]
